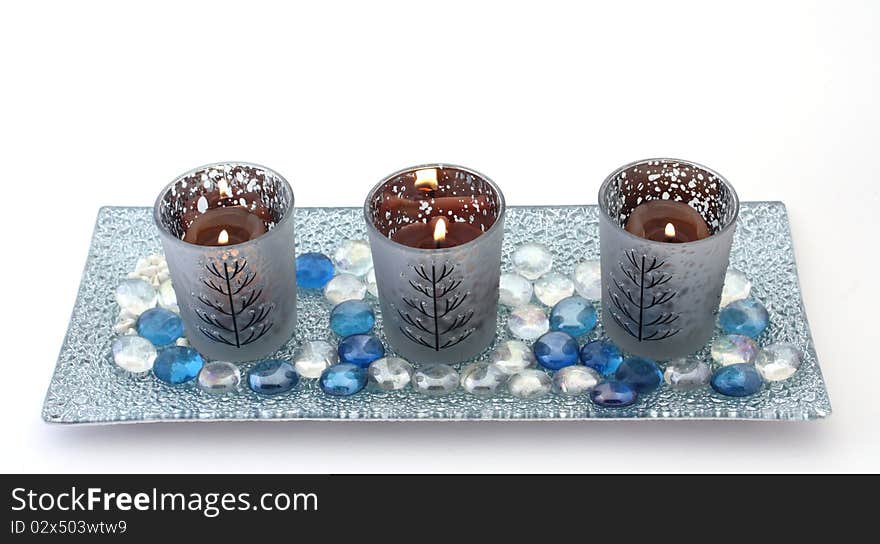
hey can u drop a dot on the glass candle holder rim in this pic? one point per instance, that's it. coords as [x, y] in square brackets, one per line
[496, 225]
[603, 210]
[164, 232]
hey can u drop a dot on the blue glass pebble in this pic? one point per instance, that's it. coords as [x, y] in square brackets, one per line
[160, 326]
[360, 349]
[272, 376]
[747, 317]
[313, 270]
[352, 317]
[343, 379]
[602, 356]
[613, 394]
[644, 375]
[555, 350]
[739, 380]
[177, 365]
[573, 315]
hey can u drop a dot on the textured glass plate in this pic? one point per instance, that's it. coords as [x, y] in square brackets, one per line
[88, 388]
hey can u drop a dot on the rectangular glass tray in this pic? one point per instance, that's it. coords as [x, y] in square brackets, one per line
[87, 387]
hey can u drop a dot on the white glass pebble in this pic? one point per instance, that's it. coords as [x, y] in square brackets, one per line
[126, 321]
[778, 362]
[134, 353]
[733, 349]
[575, 380]
[136, 296]
[313, 357]
[687, 374]
[370, 279]
[511, 356]
[219, 377]
[435, 379]
[390, 373]
[353, 257]
[344, 287]
[482, 379]
[737, 286]
[528, 322]
[529, 384]
[587, 279]
[553, 287]
[532, 261]
[514, 290]
[167, 296]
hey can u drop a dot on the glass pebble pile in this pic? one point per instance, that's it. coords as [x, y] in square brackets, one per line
[552, 349]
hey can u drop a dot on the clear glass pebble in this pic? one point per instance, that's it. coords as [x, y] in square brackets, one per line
[532, 261]
[737, 286]
[687, 374]
[734, 349]
[482, 379]
[134, 353]
[511, 356]
[529, 384]
[353, 257]
[747, 317]
[312, 358]
[778, 362]
[514, 290]
[575, 380]
[344, 287]
[390, 373]
[435, 380]
[574, 315]
[136, 296]
[587, 279]
[528, 322]
[553, 287]
[167, 297]
[370, 279]
[219, 377]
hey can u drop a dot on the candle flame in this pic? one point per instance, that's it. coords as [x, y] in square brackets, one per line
[426, 179]
[670, 230]
[440, 230]
[223, 187]
[223, 239]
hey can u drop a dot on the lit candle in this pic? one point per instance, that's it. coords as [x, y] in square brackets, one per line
[667, 221]
[660, 289]
[224, 226]
[228, 234]
[436, 234]
[431, 217]
[220, 218]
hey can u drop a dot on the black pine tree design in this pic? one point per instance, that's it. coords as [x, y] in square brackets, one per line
[235, 317]
[433, 319]
[636, 300]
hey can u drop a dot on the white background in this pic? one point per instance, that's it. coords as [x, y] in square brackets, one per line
[103, 103]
